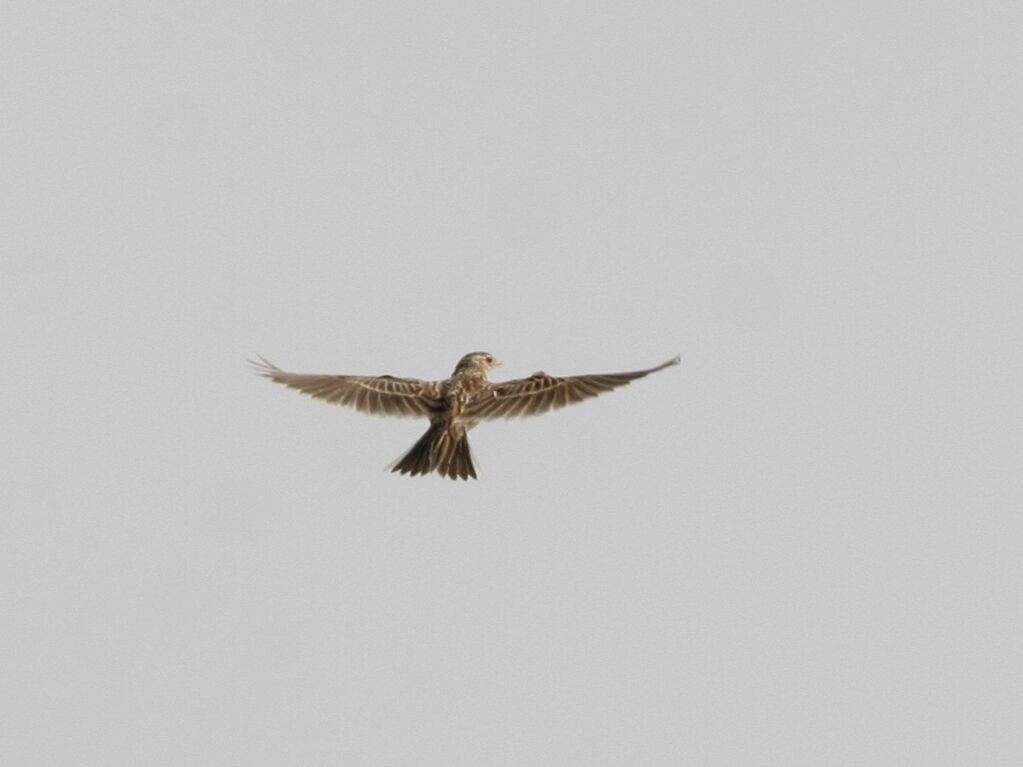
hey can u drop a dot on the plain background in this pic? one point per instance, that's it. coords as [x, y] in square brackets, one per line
[801, 547]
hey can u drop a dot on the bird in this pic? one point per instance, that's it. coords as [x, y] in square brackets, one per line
[454, 405]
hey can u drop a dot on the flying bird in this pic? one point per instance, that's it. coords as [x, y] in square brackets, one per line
[453, 405]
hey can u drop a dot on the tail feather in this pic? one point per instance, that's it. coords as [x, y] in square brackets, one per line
[460, 462]
[417, 459]
[440, 449]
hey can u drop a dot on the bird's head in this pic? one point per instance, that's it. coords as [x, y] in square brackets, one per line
[477, 362]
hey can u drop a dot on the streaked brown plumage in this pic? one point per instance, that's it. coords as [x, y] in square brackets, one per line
[453, 405]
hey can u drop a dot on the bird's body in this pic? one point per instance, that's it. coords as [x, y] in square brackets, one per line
[453, 405]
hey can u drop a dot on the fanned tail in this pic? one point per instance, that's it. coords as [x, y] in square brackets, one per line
[442, 449]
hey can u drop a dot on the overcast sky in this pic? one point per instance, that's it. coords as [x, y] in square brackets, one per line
[800, 547]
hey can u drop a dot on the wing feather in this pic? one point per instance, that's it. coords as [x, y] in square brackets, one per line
[377, 395]
[541, 393]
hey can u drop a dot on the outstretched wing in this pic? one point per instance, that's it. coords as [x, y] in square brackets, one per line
[541, 392]
[377, 395]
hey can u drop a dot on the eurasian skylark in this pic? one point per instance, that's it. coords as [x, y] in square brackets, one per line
[453, 405]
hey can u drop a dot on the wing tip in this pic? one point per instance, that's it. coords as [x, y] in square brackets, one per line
[676, 360]
[264, 367]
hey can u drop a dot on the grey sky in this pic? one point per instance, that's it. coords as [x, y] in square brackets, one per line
[801, 547]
